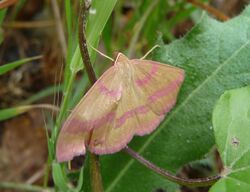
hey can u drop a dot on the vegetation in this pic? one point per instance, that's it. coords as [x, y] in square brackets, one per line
[205, 135]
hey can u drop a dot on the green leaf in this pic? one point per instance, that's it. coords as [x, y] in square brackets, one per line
[71, 21]
[42, 94]
[215, 57]
[231, 121]
[8, 67]
[2, 16]
[80, 183]
[86, 175]
[14, 111]
[59, 177]
[98, 17]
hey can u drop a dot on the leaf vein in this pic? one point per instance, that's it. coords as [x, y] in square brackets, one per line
[239, 158]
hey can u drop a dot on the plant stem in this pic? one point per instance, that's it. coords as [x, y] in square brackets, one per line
[64, 105]
[138, 28]
[96, 179]
[24, 187]
[59, 28]
[181, 181]
[47, 171]
[28, 24]
[83, 45]
[210, 10]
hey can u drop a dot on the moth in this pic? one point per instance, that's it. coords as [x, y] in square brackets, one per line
[131, 98]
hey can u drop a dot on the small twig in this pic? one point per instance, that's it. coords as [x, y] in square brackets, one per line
[24, 187]
[96, 178]
[35, 176]
[83, 45]
[59, 27]
[6, 3]
[182, 181]
[221, 16]
[29, 24]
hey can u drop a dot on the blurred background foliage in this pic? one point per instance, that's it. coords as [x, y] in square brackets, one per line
[32, 28]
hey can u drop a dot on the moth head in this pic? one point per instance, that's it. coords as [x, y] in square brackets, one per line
[124, 67]
[121, 60]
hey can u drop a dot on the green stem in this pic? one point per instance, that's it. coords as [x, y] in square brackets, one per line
[23, 187]
[64, 105]
[46, 174]
[169, 176]
[138, 28]
[96, 178]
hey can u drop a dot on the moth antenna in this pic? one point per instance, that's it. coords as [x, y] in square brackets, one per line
[153, 48]
[102, 54]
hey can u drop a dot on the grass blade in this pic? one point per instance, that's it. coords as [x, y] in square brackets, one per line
[8, 67]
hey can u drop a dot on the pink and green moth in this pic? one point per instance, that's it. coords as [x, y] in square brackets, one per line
[131, 98]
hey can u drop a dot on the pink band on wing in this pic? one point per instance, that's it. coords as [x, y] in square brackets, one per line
[144, 108]
[148, 77]
[108, 118]
[101, 121]
[77, 125]
[169, 89]
[107, 150]
[109, 92]
[141, 109]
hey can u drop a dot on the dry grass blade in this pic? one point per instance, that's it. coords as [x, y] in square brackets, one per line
[7, 3]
